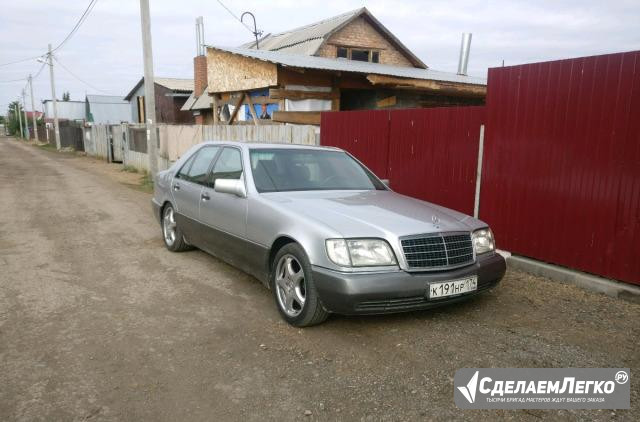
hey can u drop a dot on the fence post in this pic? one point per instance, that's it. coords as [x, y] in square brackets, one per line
[476, 203]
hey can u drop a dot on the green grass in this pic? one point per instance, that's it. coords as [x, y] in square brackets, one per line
[129, 169]
[48, 147]
[146, 182]
[52, 147]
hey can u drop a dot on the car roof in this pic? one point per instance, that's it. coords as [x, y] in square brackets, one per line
[262, 145]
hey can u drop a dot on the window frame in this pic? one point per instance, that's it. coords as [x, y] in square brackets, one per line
[210, 182]
[369, 50]
[192, 159]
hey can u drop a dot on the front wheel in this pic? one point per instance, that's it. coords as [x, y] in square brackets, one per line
[294, 289]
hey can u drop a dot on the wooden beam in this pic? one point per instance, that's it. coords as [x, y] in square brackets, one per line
[255, 100]
[256, 121]
[216, 116]
[445, 88]
[238, 104]
[386, 102]
[335, 101]
[298, 117]
[291, 94]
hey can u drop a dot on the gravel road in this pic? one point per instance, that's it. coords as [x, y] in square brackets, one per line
[98, 321]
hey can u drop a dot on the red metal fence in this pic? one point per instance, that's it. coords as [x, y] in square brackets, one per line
[429, 154]
[561, 171]
[365, 134]
[561, 168]
[433, 154]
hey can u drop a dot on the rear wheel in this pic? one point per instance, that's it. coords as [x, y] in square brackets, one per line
[294, 289]
[171, 233]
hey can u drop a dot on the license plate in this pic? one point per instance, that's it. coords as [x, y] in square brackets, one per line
[452, 288]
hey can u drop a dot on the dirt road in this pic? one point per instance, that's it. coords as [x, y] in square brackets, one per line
[98, 321]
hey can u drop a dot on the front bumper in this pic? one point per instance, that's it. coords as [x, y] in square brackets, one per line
[399, 291]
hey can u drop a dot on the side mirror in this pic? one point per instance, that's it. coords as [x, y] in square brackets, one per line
[232, 186]
[386, 182]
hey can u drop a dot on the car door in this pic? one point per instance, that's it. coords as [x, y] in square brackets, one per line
[187, 190]
[225, 213]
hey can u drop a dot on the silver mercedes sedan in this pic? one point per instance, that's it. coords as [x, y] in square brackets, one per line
[321, 231]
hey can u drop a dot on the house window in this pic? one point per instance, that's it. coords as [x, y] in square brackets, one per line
[358, 54]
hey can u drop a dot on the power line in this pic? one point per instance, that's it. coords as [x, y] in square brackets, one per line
[39, 70]
[80, 21]
[78, 78]
[21, 61]
[234, 16]
[13, 80]
[84, 16]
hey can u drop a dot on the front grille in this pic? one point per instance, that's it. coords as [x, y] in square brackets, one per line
[438, 250]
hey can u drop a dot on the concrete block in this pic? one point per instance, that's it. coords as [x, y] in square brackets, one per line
[591, 282]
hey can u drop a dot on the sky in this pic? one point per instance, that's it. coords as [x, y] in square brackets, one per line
[105, 54]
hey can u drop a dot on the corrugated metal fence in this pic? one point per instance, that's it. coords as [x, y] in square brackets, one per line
[425, 153]
[561, 167]
[562, 162]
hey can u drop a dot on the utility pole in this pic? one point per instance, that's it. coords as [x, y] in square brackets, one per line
[26, 120]
[56, 127]
[149, 88]
[33, 108]
[19, 116]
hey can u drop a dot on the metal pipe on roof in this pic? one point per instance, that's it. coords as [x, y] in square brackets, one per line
[465, 47]
[199, 36]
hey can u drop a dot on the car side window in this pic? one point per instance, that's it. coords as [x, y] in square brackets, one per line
[196, 168]
[228, 166]
[182, 174]
[201, 164]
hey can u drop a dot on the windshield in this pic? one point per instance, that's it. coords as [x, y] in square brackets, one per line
[278, 170]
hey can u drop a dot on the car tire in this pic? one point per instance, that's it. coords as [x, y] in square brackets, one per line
[292, 284]
[171, 233]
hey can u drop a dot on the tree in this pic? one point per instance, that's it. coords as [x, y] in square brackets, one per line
[66, 96]
[13, 124]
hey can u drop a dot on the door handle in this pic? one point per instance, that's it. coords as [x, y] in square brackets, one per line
[176, 187]
[205, 197]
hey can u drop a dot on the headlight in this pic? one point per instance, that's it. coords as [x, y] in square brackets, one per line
[483, 241]
[360, 252]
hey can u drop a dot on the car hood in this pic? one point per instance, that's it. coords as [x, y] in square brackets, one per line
[373, 213]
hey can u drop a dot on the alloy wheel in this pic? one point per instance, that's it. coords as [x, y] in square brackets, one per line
[169, 226]
[290, 285]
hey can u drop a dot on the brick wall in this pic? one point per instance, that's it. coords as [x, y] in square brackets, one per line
[199, 74]
[199, 80]
[361, 33]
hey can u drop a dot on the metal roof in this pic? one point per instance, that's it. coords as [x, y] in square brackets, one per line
[344, 65]
[308, 39]
[174, 84]
[71, 110]
[187, 104]
[203, 101]
[108, 109]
